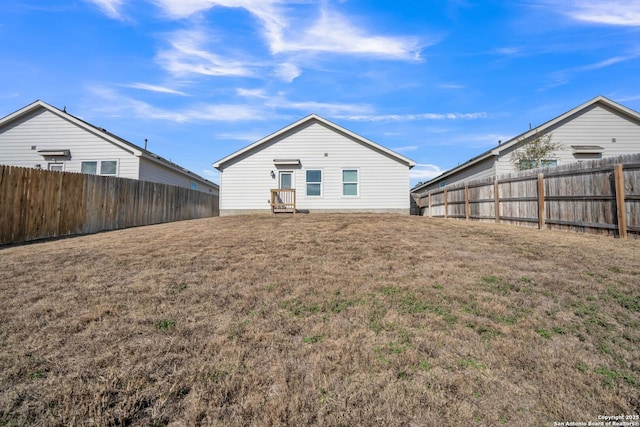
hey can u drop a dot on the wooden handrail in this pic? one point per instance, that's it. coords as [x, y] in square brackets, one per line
[283, 200]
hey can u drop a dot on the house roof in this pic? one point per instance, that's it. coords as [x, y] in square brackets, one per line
[314, 118]
[103, 133]
[495, 152]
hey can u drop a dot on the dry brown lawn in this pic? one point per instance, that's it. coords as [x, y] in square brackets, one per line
[320, 320]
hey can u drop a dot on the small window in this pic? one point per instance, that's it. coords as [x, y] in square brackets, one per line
[545, 163]
[109, 167]
[89, 167]
[193, 185]
[55, 167]
[314, 183]
[350, 182]
[104, 167]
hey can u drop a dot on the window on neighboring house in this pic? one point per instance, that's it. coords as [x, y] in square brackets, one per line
[89, 167]
[55, 167]
[314, 182]
[109, 167]
[350, 182]
[531, 164]
[193, 185]
[104, 167]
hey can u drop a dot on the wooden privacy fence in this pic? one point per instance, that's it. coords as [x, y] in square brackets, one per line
[36, 204]
[599, 196]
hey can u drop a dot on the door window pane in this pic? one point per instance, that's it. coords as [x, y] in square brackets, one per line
[285, 180]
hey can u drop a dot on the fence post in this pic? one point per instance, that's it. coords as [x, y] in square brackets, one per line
[446, 205]
[541, 210]
[467, 210]
[430, 205]
[496, 195]
[620, 201]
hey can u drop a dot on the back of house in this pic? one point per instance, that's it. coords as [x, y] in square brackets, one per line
[330, 169]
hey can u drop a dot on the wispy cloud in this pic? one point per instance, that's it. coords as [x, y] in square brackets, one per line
[607, 12]
[280, 101]
[111, 8]
[155, 88]
[451, 86]
[425, 172]
[252, 93]
[561, 77]
[241, 136]
[628, 98]
[201, 112]
[405, 148]
[413, 117]
[188, 55]
[508, 51]
[288, 71]
[331, 32]
[322, 108]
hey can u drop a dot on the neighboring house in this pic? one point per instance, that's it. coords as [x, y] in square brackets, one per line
[330, 168]
[42, 136]
[596, 129]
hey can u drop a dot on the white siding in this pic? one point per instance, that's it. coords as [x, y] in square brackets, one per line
[47, 131]
[155, 172]
[597, 125]
[383, 181]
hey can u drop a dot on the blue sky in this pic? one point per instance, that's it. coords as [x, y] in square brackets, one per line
[436, 81]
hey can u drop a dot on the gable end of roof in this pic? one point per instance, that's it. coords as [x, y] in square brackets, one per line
[304, 121]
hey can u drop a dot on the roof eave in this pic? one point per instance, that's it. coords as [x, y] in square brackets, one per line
[487, 154]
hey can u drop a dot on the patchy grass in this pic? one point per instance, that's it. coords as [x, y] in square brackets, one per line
[319, 320]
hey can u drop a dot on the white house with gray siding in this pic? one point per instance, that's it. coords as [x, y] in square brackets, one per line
[596, 129]
[330, 168]
[42, 136]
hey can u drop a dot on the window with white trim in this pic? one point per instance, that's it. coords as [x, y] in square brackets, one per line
[89, 167]
[103, 167]
[314, 182]
[109, 167]
[350, 182]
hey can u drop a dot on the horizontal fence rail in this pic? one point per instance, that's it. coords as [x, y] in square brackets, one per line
[37, 204]
[598, 196]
